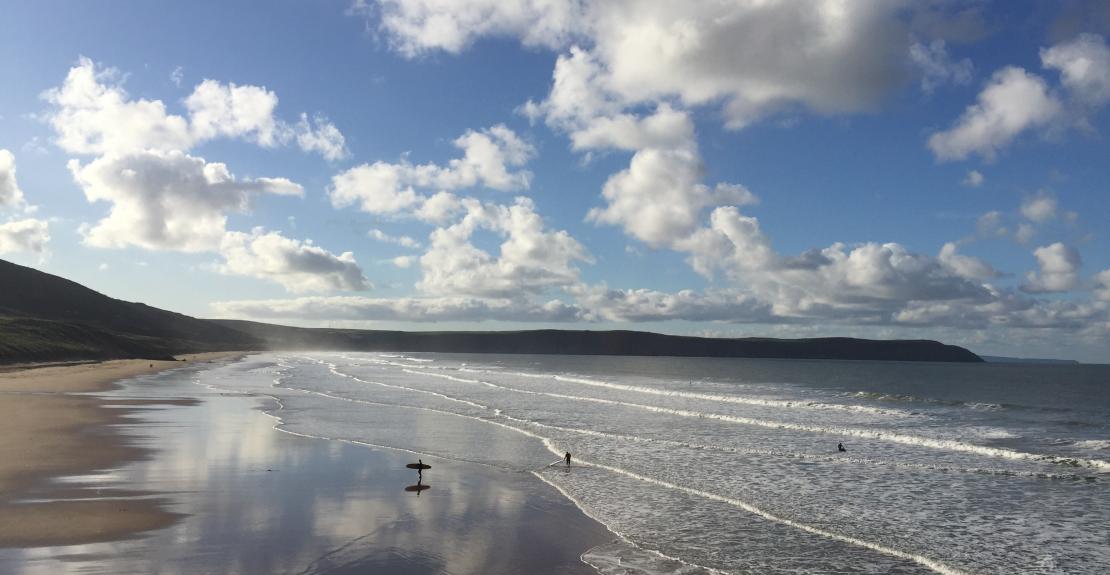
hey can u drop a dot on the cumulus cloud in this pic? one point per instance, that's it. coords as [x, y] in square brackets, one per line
[10, 194]
[389, 188]
[419, 26]
[531, 259]
[1012, 102]
[166, 200]
[990, 224]
[1084, 66]
[937, 67]
[433, 309]
[640, 305]
[296, 265]
[92, 114]
[403, 241]
[1040, 208]
[1102, 286]
[974, 179]
[27, 235]
[233, 111]
[323, 137]
[755, 56]
[964, 266]
[659, 199]
[1058, 269]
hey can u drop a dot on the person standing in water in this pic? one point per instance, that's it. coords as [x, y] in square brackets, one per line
[567, 459]
[840, 447]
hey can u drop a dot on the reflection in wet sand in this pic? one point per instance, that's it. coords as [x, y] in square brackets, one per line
[260, 501]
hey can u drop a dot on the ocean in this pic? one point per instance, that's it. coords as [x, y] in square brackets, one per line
[710, 465]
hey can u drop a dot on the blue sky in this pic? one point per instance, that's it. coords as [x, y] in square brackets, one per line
[877, 169]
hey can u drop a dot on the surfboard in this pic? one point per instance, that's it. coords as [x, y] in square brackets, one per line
[418, 466]
[417, 488]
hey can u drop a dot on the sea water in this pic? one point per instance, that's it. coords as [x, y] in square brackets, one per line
[707, 465]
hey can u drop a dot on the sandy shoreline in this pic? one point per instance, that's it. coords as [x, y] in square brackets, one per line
[192, 478]
[49, 428]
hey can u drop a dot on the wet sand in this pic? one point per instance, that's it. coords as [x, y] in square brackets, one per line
[236, 495]
[50, 428]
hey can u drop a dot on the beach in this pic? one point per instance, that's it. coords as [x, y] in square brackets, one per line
[161, 474]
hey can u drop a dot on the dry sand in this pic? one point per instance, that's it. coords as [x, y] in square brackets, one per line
[49, 428]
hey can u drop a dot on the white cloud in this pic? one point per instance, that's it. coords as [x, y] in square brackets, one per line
[177, 75]
[433, 309]
[403, 262]
[419, 26]
[665, 129]
[27, 235]
[403, 241]
[1084, 65]
[659, 198]
[385, 188]
[1012, 102]
[640, 305]
[1040, 208]
[1059, 269]
[990, 224]
[321, 136]
[531, 259]
[754, 55]
[1025, 233]
[10, 194]
[1102, 286]
[298, 266]
[937, 68]
[233, 111]
[969, 267]
[92, 114]
[166, 200]
[974, 179]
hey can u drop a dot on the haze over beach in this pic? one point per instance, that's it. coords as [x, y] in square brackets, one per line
[653, 287]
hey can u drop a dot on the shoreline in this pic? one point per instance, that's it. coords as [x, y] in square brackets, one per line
[52, 427]
[207, 482]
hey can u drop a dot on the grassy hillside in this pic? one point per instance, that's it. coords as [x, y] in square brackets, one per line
[45, 318]
[618, 342]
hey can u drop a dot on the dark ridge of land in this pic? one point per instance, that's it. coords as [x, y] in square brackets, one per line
[618, 342]
[45, 318]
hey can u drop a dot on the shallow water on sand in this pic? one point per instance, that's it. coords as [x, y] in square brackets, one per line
[731, 465]
[258, 501]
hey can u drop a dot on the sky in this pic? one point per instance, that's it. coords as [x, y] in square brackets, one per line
[932, 169]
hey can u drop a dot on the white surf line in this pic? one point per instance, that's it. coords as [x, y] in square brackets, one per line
[934, 565]
[933, 443]
[335, 370]
[550, 445]
[706, 396]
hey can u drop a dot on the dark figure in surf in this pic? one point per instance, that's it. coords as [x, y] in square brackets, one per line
[840, 447]
[420, 471]
[567, 459]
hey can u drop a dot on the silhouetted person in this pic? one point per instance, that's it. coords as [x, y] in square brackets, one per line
[840, 447]
[567, 459]
[420, 471]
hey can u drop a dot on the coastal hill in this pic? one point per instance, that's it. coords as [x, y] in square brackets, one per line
[618, 342]
[47, 318]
